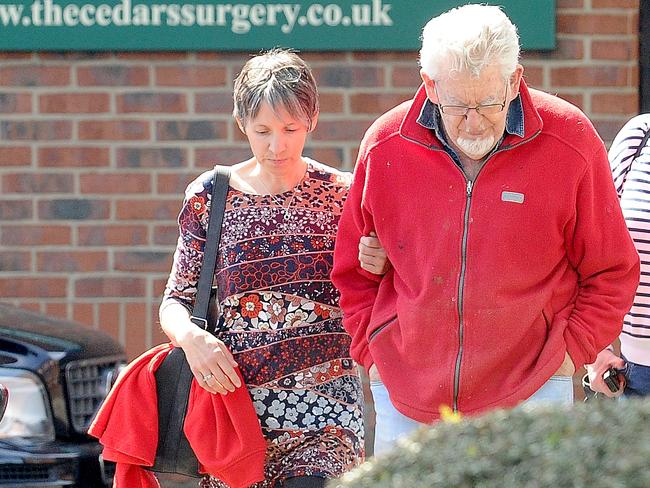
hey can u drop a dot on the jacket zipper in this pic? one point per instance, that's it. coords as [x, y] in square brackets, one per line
[380, 328]
[461, 280]
[461, 291]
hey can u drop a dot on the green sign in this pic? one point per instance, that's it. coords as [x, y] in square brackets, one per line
[133, 25]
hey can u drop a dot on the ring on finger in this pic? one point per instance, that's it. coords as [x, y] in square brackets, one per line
[206, 377]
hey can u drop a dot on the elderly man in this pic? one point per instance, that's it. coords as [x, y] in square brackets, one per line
[511, 262]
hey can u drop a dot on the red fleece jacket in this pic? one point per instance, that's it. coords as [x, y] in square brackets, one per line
[491, 282]
[223, 430]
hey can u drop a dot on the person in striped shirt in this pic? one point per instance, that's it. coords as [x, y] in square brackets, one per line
[629, 158]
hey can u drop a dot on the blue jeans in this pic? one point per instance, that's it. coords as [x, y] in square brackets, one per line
[637, 380]
[391, 425]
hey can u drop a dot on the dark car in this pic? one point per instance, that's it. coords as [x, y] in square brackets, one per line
[57, 372]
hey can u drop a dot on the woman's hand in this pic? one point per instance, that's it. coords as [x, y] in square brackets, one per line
[606, 359]
[210, 360]
[372, 256]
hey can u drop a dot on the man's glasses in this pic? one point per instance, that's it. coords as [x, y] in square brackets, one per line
[461, 110]
[287, 74]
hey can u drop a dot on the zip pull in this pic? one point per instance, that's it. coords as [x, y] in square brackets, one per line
[470, 185]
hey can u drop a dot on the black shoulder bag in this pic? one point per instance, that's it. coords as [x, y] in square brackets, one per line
[174, 377]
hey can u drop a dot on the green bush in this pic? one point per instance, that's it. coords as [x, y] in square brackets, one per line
[601, 443]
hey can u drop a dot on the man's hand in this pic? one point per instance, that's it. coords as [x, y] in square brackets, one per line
[372, 256]
[606, 359]
[567, 368]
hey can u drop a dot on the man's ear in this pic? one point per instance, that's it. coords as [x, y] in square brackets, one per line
[515, 80]
[429, 85]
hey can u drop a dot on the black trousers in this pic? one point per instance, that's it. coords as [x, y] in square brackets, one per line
[304, 482]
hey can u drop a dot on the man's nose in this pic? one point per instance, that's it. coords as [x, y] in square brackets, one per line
[473, 119]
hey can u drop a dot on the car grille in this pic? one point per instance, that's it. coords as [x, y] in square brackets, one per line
[88, 382]
[51, 474]
[24, 472]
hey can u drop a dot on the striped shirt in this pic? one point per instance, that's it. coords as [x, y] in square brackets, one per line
[632, 179]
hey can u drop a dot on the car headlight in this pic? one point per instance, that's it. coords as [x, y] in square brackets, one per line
[28, 412]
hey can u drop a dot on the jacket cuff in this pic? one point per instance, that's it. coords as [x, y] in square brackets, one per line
[578, 355]
[366, 359]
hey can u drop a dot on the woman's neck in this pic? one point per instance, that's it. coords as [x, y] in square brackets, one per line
[278, 180]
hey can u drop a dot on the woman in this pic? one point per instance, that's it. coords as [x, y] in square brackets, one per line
[279, 309]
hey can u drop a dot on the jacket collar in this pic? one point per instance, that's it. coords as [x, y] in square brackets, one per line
[421, 123]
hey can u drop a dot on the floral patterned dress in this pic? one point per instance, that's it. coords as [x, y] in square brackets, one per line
[280, 318]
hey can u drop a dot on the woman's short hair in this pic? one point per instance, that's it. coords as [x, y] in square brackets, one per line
[280, 78]
[468, 39]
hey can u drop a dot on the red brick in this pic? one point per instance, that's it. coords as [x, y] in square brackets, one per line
[190, 75]
[143, 261]
[335, 130]
[31, 75]
[174, 183]
[587, 24]
[113, 235]
[86, 287]
[614, 103]
[153, 56]
[84, 313]
[136, 319]
[165, 235]
[151, 157]
[16, 209]
[350, 76]
[608, 128]
[614, 50]
[114, 130]
[73, 209]
[147, 209]
[15, 155]
[43, 130]
[107, 183]
[114, 75]
[71, 261]
[19, 287]
[37, 183]
[534, 76]
[15, 261]
[207, 157]
[151, 103]
[109, 319]
[214, 102]
[331, 102]
[36, 235]
[617, 4]
[157, 334]
[191, 130]
[590, 76]
[58, 310]
[375, 102]
[12, 103]
[406, 77]
[565, 49]
[74, 103]
[577, 99]
[15, 56]
[332, 156]
[73, 156]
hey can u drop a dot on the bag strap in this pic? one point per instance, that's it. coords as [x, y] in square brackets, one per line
[211, 249]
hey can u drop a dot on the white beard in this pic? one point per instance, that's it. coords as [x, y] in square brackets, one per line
[475, 148]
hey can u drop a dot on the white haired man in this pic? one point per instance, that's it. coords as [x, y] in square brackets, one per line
[511, 262]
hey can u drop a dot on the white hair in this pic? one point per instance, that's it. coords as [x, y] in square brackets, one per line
[468, 39]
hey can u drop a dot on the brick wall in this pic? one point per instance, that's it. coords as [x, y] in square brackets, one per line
[97, 148]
